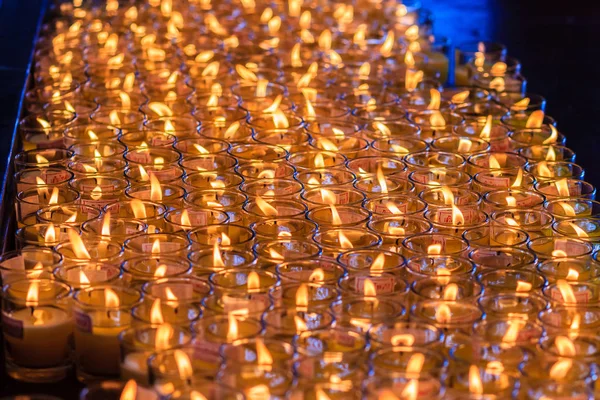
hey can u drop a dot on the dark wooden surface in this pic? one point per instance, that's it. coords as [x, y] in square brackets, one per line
[556, 43]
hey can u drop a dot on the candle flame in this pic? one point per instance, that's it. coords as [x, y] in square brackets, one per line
[565, 346]
[300, 325]
[519, 179]
[523, 286]
[163, 334]
[568, 209]
[217, 259]
[155, 189]
[460, 97]
[475, 384]
[434, 249]
[130, 390]
[280, 120]
[345, 243]
[184, 365]
[553, 136]
[378, 264]
[232, 331]
[263, 355]
[253, 282]
[266, 208]
[572, 275]
[161, 271]
[437, 120]
[450, 292]
[318, 275]
[302, 298]
[464, 145]
[111, 298]
[566, 291]
[33, 294]
[560, 368]
[245, 73]
[138, 209]
[487, 128]
[369, 289]
[443, 314]
[535, 120]
[457, 216]
[77, 244]
[388, 44]
[434, 103]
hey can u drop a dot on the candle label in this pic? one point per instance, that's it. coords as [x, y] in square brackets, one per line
[581, 296]
[383, 208]
[469, 215]
[161, 140]
[349, 217]
[140, 157]
[342, 198]
[526, 201]
[55, 176]
[280, 172]
[491, 258]
[383, 284]
[12, 327]
[206, 350]
[494, 181]
[569, 247]
[306, 369]
[203, 164]
[198, 218]
[253, 303]
[502, 145]
[82, 321]
[343, 338]
[165, 247]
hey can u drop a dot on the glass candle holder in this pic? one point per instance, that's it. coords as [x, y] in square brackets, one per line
[206, 261]
[344, 389]
[208, 163]
[175, 313]
[569, 269]
[256, 351]
[257, 381]
[496, 163]
[407, 334]
[435, 124]
[28, 202]
[490, 237]
[551, 152]
[227, 235]
[257, 170]
[81, 252]
[37, 325]
[88, 167]
[394, 229]
[328, 217]
[569, 208]
[546, 381]
[566, 188]
[229, 201]
[116, 230]
[336, 241]
[395, 204]
[489, 384]
[269, 189]
[284, 323]
[445, 288]
[428, 244]
[569, 321]
[105, 150]
[464, 145]
[377, 387]
[90, 134]
[303, 297]
[315, 159]
[511, 281]
[535, 222]
[586, 347]
[397, 147]
[260, 209]
[190, 147]
[242, 291]
[586, 229]
[101, 313]
[28, 263]
[44, 130]
[87, 275]
[335, 341]
[157, 245]
[275, 251]
[519, 305]
[183, 219]
[41, 235]
[124, 119]
[565, 293]
[282, 228]
[316, 270]
[501, 257]
[503, 199]
[42, 158]
[211, 332]
[176, 290]
[373, 261]
[144, 268]
[455, 220]
[30, 178]
[113, 390]
[100, 191]
[483, 128]
[451, 316]
[74, 215]
[446, 196]
[399, 361]
[543, 170]
[420, 267]
[147, 138]
[524, 137]
[216, 126]
[521, 120]
[549, 247]
[138, 344]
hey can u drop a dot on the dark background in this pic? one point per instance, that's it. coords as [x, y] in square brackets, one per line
[557, 43]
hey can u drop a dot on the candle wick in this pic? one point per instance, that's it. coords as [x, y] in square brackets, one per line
[32, 310]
